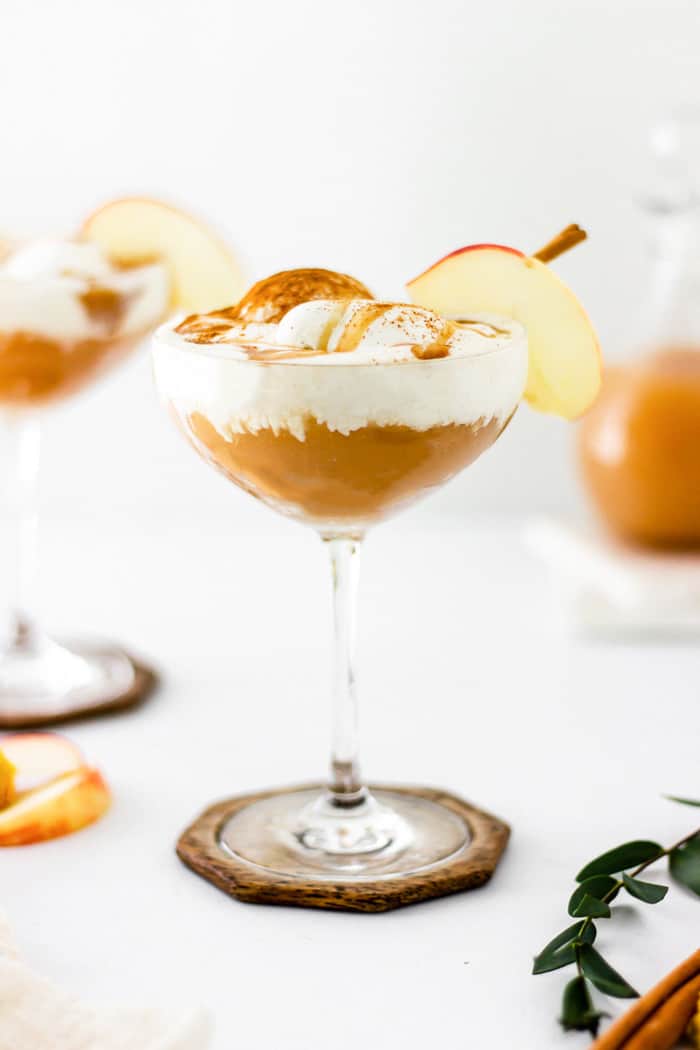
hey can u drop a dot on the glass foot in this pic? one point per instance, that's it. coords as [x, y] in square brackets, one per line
[314, 835]
[43, 678]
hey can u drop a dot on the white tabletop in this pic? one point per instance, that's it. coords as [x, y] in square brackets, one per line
[467, 682]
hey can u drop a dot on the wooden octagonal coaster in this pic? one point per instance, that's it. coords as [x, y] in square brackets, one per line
[144, 684]
[472, 866]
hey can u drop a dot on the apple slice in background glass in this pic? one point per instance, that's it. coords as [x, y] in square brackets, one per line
[203, 273]
[565, 364]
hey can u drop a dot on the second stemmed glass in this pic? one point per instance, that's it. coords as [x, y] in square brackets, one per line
[69, 310]
[66, 316]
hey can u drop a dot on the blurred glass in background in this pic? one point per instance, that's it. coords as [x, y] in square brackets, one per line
[639, 447]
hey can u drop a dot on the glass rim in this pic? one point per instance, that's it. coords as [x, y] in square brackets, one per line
[234, 350]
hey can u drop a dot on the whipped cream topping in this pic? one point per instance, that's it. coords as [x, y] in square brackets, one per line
[70, 291]
[404, 366]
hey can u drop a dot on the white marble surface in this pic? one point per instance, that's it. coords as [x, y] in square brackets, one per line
[467, 681]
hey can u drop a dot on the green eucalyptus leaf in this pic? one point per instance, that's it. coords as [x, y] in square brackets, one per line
[629, 855]
[597, 886]
[577, 1011]
[683, 801]
[561, 951]
[684, 863]
[649, 892]
[591, 908]
[602, 975]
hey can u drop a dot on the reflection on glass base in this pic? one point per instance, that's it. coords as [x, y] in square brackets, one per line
[41, 678]
[307, 834]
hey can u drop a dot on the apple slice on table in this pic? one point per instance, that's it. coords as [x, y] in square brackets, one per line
[39, 757]
[8, 790]
[203, 272]
[63, 805]
[565, 362]
[48, 788]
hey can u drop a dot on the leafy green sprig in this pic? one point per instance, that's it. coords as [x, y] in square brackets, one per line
[599, 883]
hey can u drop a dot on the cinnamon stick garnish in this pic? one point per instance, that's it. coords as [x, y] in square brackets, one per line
[657, 1020]
[569, 236]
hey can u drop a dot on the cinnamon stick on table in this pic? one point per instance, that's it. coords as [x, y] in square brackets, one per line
[658, 1020]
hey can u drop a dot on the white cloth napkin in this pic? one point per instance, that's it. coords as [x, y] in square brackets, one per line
[606, 588]
[37, 1015]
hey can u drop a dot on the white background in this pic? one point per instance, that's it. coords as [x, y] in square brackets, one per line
[371, 137]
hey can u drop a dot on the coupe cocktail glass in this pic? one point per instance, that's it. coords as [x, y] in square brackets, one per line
[67, 315]
[361, 447]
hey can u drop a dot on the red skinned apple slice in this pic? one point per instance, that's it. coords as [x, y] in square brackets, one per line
[65, 804]
[565, 363]
[203, 272]
[39, 757]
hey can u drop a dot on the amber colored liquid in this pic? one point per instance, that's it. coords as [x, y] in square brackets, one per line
[34, 369]
[640, 450]
[333, 478]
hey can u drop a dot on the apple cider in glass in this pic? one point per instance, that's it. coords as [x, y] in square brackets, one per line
[639, 449]
[354, 410]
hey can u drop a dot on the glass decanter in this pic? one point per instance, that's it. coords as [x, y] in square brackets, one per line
[639, 446]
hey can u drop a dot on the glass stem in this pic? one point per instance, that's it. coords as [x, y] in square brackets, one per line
[23, 442]
[345, 785]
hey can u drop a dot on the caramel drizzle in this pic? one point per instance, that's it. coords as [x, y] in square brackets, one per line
[477, 325]
[272, 354]
[104, 306]
[213, 329]
[327, 332]
[430, 352]
[353, 332]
